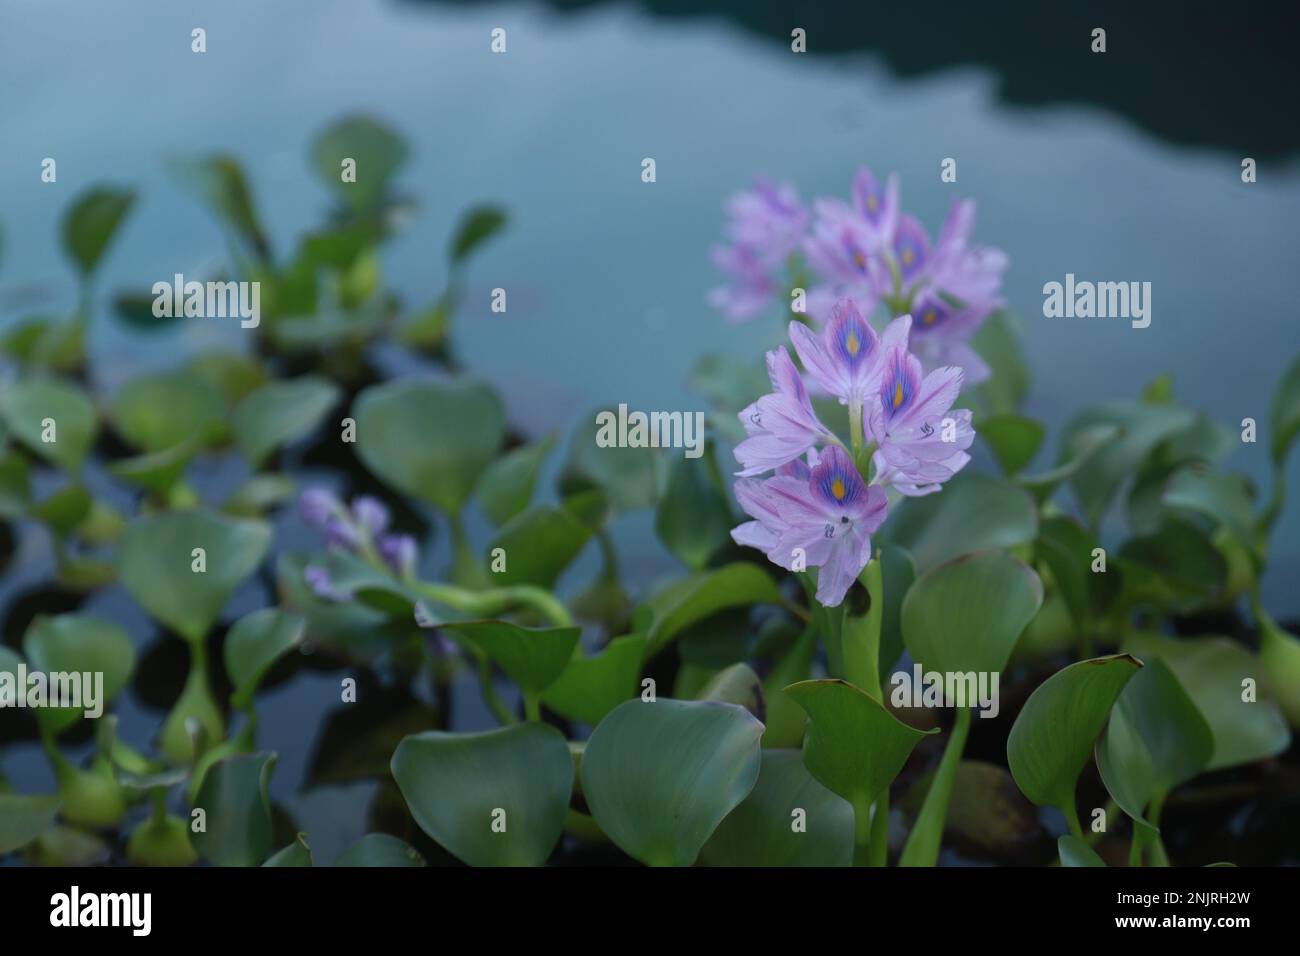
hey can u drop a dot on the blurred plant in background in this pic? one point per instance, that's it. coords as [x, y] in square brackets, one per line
[671, 722]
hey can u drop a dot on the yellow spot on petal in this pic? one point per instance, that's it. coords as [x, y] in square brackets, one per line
[852, 343]
[837, 489]
[872, 203]
[907, 255]
[898, 394]
[929, 317]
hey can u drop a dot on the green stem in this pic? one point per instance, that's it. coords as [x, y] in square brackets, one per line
[861, 832]
[878, 850]
[1157, 846]
[860, 634]
[532, 707]
[499, 710]
[1276, 501]
[1072, 818]
[493, 601]
[923, 843]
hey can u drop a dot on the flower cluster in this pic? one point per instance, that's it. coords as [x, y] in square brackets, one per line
[869, 250]
[361, 529]
[817, 510]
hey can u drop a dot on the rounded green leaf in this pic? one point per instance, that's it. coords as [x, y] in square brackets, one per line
[477, 226]
[853, 746]
[788, 819]
[1156, 740]
[507, 485]
[89, 224]
[39, 409]
[1214, 672]
[625, 474]
[590, 687]
[531, 657]
[280, 412]
[218, 183]
[693, 518]
[254, 643]
[497, 798]
[966, 615]
[539, 543]
[973, 512]
[659, 776]
[80, 644]
[1054, 733]
[156, 413]
[159, 566]
[377, 151]
[430, 439]
[296, 854]
[237, 807]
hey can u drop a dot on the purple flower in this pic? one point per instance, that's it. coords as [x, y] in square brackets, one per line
[317, 506]
[370, 514]
[400, 552]
[910, 250]
[825, 521]
[921, 442]
[782, 425]
[318, 579]
[341, 533]
[941, 333]
[764, 229]
[844, 359]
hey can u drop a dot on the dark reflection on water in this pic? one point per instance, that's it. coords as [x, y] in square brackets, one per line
[1203, 73]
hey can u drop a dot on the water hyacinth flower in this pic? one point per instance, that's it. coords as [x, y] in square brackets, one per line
[817, 509]
[359, 529]
[824, 521]
[765, 227]
[920, 442]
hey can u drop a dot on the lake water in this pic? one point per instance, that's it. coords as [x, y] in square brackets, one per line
[607, 274]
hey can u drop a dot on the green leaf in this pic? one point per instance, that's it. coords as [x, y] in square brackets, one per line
[1066, 548]
[507, 485]
[1141, 428]
[379, 849]
[279, 413]
[78, 643]
[156, 413]
[998, 344]
[23, 818]
[27, 404]
[1155, 741]
[237, 808]
[1286, 413]
[297, 853]
[697, 596]
[90, 223]
[259, 494]
[63, 510]
[1213, 671]
[973, 512]
[497, 798]
[477, 226]
[1054, 733]
[761, 830]
[1224, 498]
[253, 645]
[136, 310]
[1279, 655]
[660, 776]
[539, 543]
[157, 561]
[1074, 852]
[966, 615]
[157, 471]
[1014, 439]
[590, 687]
[854, 746]
[1179, 558]
[737, 684]
[378, 152]
[693, 518]
[218, 183]
[1076, 451]
[626, 475]
[430, 439]
[531, 657]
